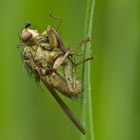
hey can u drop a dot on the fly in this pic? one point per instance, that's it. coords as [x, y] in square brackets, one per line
[43, 56]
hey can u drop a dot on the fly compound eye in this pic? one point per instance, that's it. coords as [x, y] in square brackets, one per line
[26, 36]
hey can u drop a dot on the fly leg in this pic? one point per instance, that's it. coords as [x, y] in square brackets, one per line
[71, 57]
[83, 42]
[60, 60]
[85, 60]
[68, 77]
[79, 45]
[74, 86]
[57, 18]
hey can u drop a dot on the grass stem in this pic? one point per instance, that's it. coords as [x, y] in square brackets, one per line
[87, 116]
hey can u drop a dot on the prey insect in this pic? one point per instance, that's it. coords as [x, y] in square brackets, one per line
[43, 56]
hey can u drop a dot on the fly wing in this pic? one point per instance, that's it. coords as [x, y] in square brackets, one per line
[64, 107]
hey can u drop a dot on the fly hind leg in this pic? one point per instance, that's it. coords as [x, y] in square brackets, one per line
[60, 60]
[85, 60]
[83, 42]
[74, 86]
[57, 18]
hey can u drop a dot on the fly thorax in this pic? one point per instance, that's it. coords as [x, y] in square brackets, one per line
[44, 60]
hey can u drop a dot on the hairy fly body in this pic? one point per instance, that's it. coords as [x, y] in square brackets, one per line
[43, 56]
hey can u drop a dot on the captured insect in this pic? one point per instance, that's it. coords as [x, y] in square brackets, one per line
[45, 57]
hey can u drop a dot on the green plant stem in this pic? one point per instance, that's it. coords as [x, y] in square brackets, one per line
[87, 117]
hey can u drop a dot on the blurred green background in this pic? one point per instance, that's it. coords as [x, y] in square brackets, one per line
[27, 113]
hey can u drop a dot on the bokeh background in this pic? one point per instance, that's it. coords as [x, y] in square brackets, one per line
[28, 113]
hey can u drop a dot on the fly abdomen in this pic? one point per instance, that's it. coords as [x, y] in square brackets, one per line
[60, 84]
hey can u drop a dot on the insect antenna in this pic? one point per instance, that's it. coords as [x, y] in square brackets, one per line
[27, 24]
